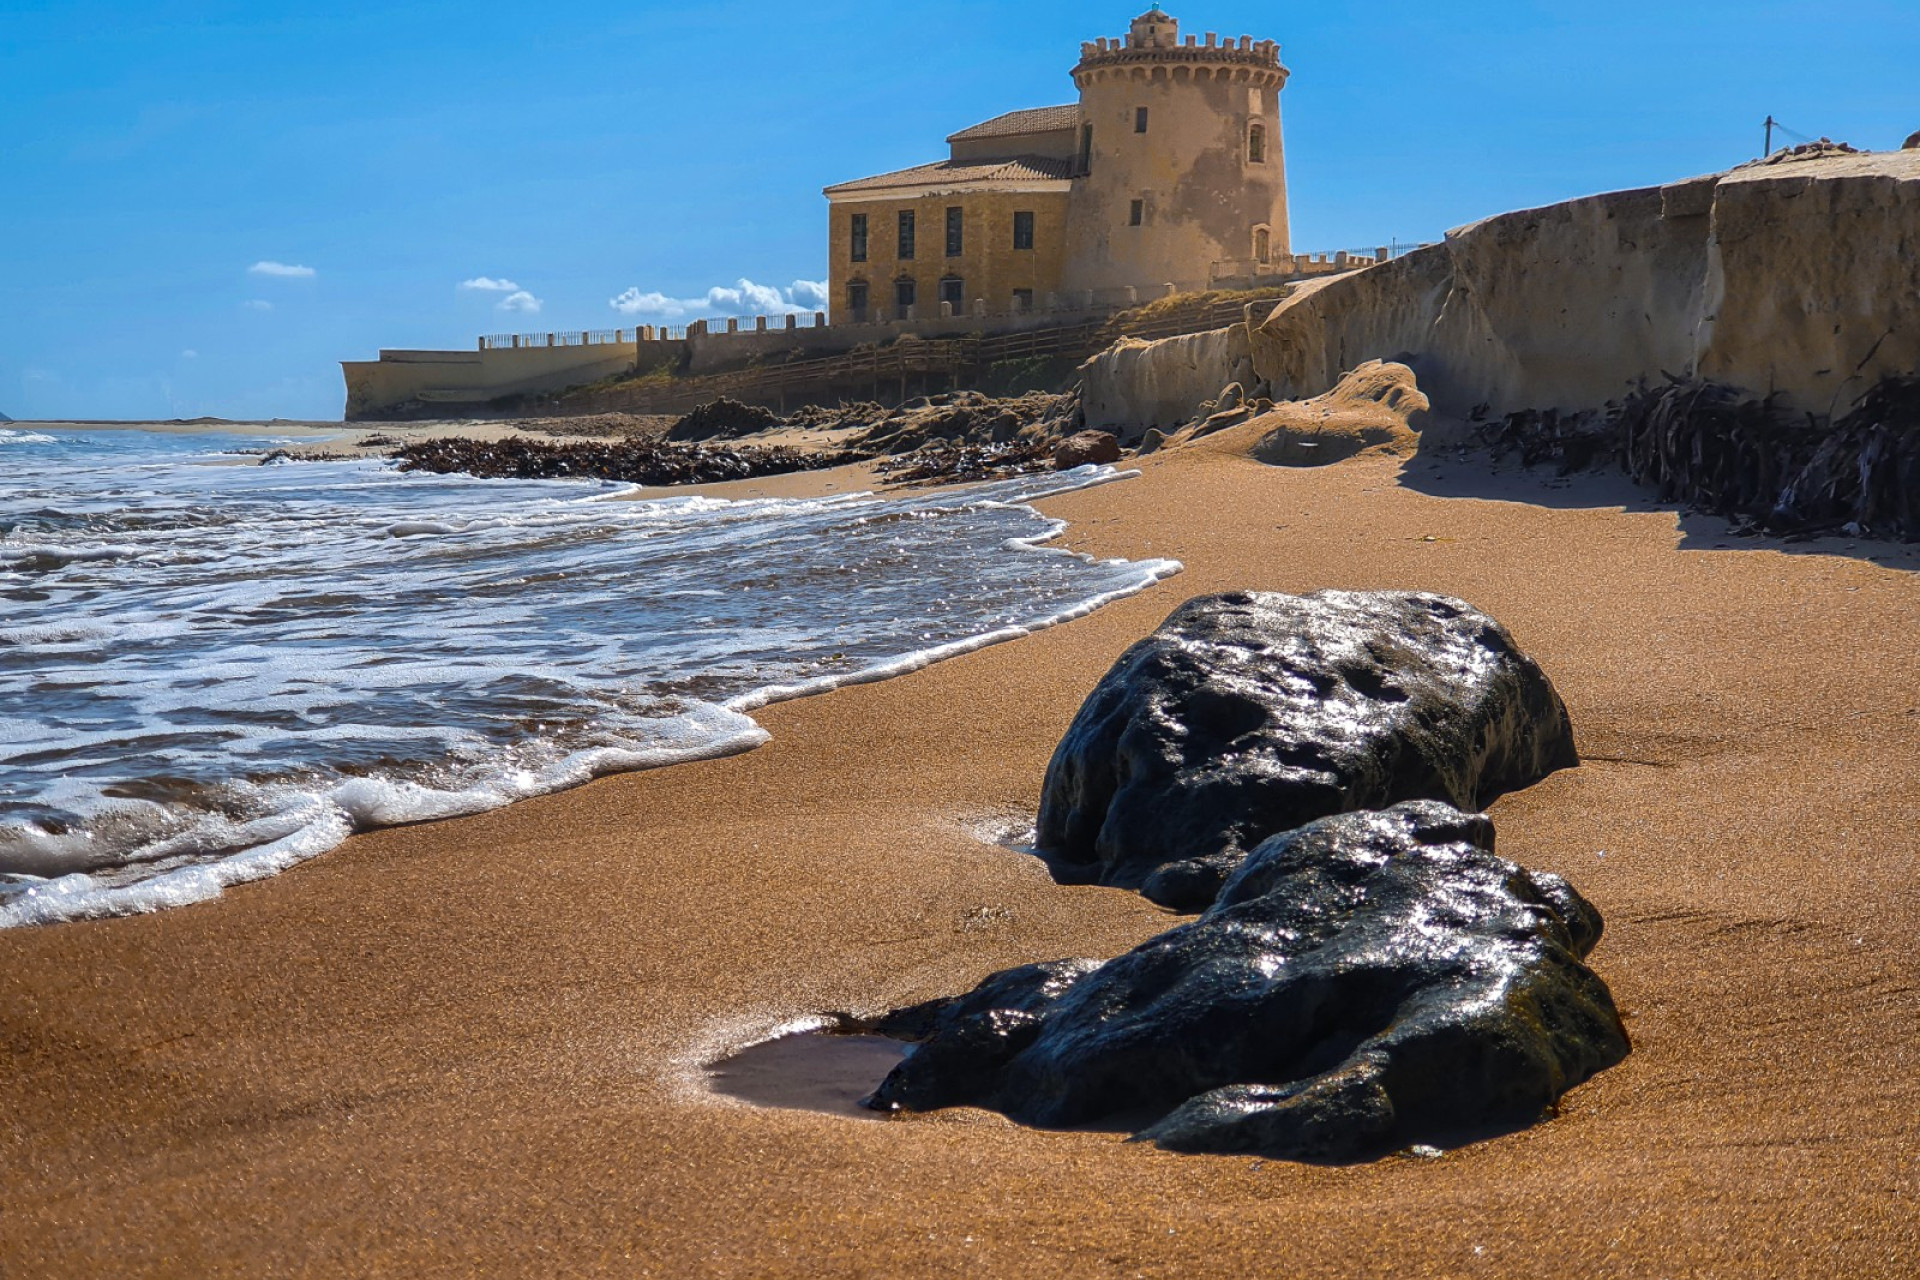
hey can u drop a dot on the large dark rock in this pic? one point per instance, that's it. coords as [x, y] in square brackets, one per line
[1367, 982]
[723, 419]
[1250, 714]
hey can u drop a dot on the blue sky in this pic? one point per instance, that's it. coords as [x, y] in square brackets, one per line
[158, 158]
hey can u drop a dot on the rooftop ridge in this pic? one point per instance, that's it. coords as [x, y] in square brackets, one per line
[1024, 121]
[1007, 169]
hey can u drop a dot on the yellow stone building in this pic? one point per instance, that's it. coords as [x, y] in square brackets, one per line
[1168, 172]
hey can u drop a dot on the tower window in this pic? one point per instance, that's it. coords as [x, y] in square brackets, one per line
[906, 234]
[1262, 244]
[1086, 148]
[956, 232]
[1257, 144]
[859, 226]
[1138, 214]
[1139, 119]
[1023, 231]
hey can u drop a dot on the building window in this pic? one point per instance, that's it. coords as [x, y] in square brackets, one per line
[956, 232]
[859, 237]
[1139, 119]
[1023, 300]
[1262, 244]
[953, 291]
[1023, 231]
[905, 294]
[906, 234]
[1137, 215]
[1086, 148]
[857, 299]
[1257, 144]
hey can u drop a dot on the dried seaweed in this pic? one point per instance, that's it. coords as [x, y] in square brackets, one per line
[1716, 448]
[635, 461]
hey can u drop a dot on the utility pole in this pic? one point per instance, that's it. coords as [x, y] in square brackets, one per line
[1769, 150]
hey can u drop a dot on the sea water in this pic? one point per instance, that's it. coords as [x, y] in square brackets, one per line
[212, 669]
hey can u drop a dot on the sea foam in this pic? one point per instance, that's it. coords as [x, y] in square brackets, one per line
[242, 666]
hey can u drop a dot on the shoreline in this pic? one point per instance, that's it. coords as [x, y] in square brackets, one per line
[479, 1043]
[65, 899]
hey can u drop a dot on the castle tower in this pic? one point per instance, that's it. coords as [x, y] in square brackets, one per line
[1182, 173]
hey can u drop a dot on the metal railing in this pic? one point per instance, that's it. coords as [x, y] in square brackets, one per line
[577, 338]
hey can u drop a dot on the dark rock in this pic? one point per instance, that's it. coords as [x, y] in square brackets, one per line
[1369, 981]
[1250, 714]
[723, 419]
[640, 460]
[1086, 448]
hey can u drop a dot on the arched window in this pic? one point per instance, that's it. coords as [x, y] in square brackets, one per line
[1262, 245]
[1257, 144]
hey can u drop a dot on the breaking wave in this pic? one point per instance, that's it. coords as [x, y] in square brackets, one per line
[211, 672]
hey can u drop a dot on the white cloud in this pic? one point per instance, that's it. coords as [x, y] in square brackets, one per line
[519, 300]
[189, 354]
[635, 303]
[487, 284]
[743, 298]
[811, 294]
[257, 304]
[282, 270]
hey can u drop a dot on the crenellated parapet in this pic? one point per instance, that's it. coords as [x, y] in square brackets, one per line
[1255, 62]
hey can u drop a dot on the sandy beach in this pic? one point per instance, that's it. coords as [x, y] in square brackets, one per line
[478, 1046]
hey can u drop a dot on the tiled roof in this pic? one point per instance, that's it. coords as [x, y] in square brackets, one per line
[951, 173]
[1015, 123]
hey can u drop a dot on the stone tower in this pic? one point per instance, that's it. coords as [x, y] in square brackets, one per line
[1182, 176]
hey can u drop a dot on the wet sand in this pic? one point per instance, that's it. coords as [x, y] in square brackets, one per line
[477, 1046]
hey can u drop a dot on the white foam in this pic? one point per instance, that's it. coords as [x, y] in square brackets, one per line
[421, 528]
[326, 613]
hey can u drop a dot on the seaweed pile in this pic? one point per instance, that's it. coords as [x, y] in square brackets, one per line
[1716, 448]
[964, 463]
[723, 419]
[1568, 442]
[635, 461]
[973, 418]
[1701, 443]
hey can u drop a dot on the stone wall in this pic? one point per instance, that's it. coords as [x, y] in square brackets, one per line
[473, 377]
[989, 267]
[1202, 194]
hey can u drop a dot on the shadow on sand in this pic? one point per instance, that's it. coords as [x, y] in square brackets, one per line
[1457, 471]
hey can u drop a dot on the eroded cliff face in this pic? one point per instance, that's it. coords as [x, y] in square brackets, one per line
[1814, 278]
[1135, 385]
[1800, 279]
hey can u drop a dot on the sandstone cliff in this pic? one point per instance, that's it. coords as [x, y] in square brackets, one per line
[1800, 278]
[1134, 385]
